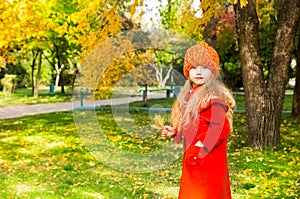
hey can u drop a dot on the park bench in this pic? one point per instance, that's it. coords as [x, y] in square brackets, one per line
[168, 91]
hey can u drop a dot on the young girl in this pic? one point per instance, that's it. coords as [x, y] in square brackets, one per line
[202, 117]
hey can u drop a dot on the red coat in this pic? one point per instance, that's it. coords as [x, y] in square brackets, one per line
[205, 169]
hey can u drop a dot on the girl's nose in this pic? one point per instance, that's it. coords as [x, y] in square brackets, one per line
[198, 70]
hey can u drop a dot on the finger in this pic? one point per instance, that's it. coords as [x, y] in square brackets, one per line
[168, 128]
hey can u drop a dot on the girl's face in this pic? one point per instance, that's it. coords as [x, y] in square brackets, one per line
[199, 74]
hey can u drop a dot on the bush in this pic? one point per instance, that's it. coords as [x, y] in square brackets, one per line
[103, 93]
[9, 83]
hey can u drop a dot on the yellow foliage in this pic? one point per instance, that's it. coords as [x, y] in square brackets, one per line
[242, 2]
[97, 21]
[132, 9]
[265, 9]
[21, 21]
[2, 62]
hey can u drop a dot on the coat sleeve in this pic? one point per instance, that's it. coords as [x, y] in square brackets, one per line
[178, 136]
[217, 127]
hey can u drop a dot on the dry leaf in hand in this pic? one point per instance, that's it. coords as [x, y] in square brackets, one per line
[159, 122]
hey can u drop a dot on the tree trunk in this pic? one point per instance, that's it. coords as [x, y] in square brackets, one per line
[57, 75]
[264, 99]
[62, 83]
[210, 32]
[59, 78]
[32, 70]
[145, 95]
[165, 79]
[296, 98]
[37, 79]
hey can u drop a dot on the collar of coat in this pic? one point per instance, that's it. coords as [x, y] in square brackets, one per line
[215, 101]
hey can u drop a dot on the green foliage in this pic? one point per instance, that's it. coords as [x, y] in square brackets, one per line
[25, 77]
[178, 15]
[23, 71]
[267, 31]
[232, 75]
[18, 70]
[227, 49]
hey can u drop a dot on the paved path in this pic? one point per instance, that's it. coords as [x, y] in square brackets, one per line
[20, 111]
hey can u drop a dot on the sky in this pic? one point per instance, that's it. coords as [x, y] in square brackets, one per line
[151, 16]
[151, 9]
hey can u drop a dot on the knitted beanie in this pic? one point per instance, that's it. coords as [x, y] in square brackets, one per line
[201, 54]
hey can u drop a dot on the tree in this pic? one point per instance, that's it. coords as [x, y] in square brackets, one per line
[212, 21]
[162, 63]
[96, 21]
[265, 72]
[62, 49]
[123, 60]
[226, 46]
[38, 26]
[264, 96]
[180, 16]
[37, 55]
[10, 37]
[26, 35]
[99, 32]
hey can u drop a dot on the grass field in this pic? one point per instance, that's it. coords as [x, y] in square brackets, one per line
[240, 103]
[44, 156]
[24, 97]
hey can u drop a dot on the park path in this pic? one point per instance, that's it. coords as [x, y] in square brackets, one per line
[26, 110]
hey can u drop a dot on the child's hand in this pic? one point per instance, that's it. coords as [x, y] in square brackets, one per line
[168, 131]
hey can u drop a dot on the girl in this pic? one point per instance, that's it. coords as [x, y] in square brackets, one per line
[202, 116]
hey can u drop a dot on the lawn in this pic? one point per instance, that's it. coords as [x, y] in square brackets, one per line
[23, 96]
[47, 156]
[239, 98]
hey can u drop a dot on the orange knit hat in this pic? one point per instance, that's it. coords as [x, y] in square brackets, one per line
[201, 54]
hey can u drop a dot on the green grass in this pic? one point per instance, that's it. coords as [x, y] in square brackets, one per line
[43, 156]
[240, 103]
[24, 97]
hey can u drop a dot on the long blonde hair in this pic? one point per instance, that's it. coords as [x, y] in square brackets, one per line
[211, 89]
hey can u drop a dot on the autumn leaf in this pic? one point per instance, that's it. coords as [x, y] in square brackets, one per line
[159, 122]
